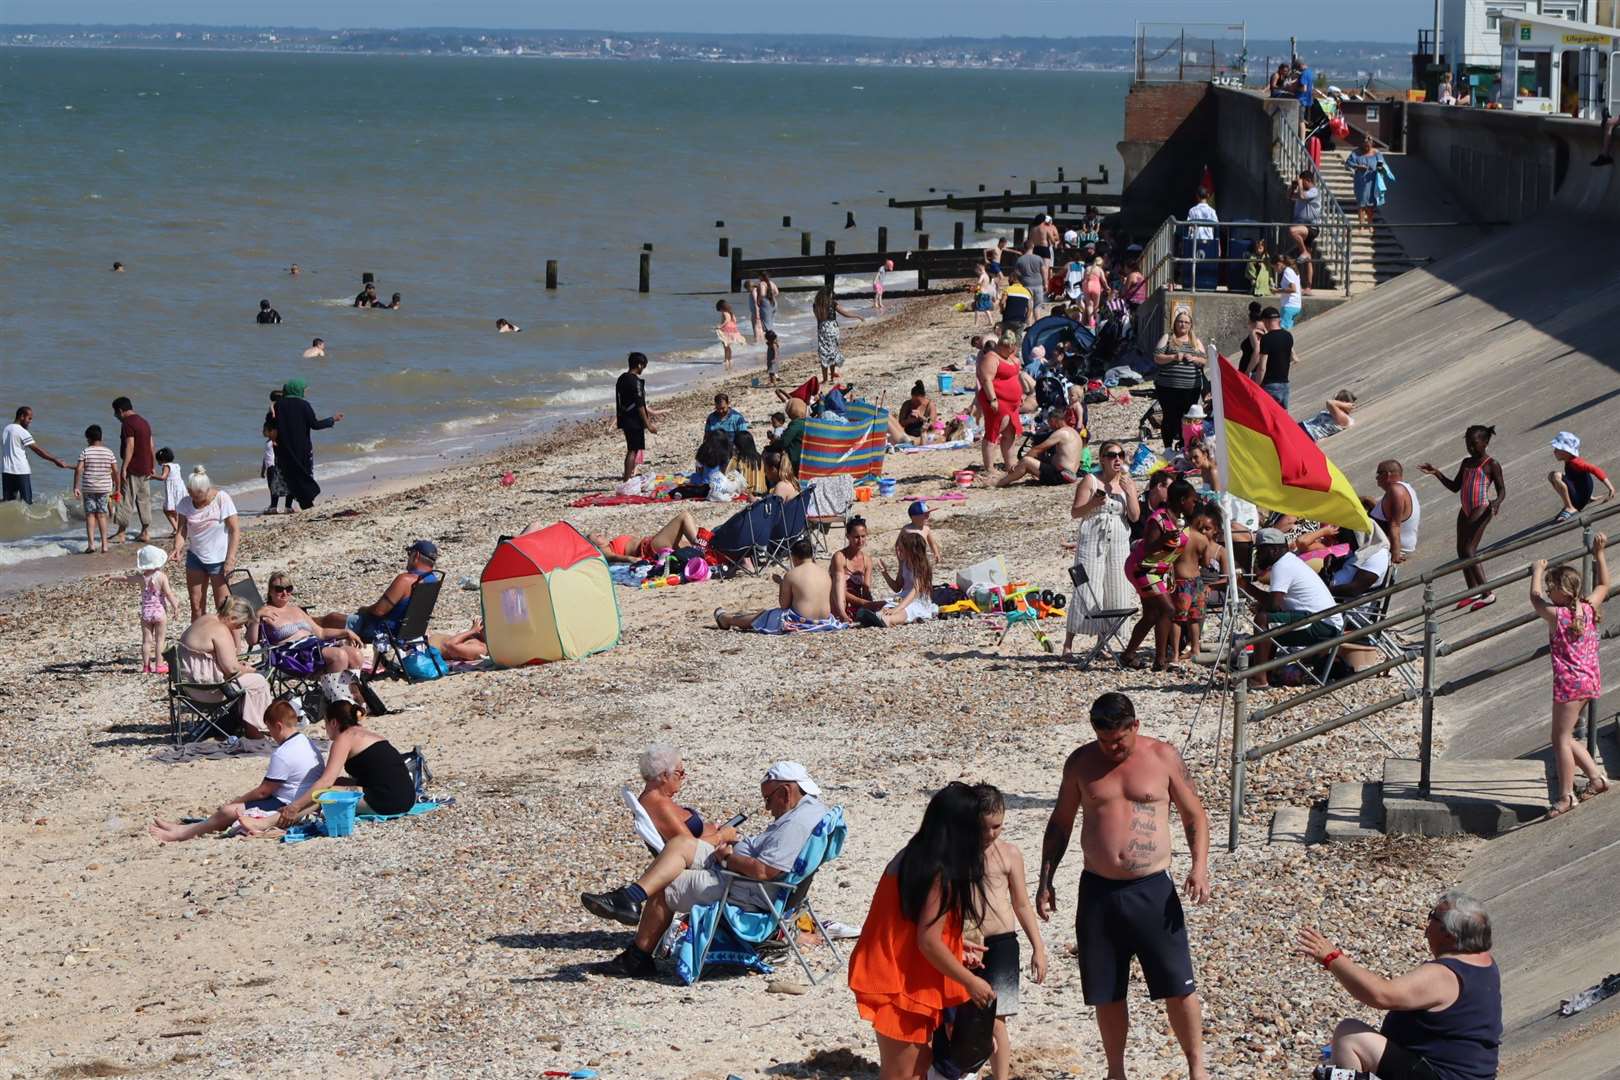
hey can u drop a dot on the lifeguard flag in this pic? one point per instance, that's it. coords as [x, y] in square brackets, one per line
[1207, 182]
[1266, 457]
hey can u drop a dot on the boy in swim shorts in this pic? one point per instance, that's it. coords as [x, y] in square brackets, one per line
[1190, 586]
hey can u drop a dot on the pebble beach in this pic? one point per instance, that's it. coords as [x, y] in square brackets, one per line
[453, 944]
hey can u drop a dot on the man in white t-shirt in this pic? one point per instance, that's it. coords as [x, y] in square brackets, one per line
[1287, 591]
[294, 767]
[1203, 241]
[16, 476]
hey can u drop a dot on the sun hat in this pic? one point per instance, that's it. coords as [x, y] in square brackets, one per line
[150, 557]
[1567, 441]
[793, 772]
[918, 509]
[1271, 537]
[1071, 238]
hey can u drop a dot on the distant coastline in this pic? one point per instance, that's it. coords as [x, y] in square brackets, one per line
[1113, 53]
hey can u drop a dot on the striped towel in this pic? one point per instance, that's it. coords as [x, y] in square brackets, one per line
[851, 448]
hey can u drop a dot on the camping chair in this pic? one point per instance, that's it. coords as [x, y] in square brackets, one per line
[829, 501]
[742, 930]
[198, 709]
[642, 822]
[745, 539]
[411, 633]
[1114, 618]
[788, 526]
[293, 669]
[240, 583]
[1376, 611]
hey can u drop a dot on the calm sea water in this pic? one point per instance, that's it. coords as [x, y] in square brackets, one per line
[452, 181]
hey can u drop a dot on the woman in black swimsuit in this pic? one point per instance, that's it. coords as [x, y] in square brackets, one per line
[359, 758]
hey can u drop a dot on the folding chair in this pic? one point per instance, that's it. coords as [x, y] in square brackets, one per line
[1113, 618]
[198, 709]
[411, 633]
[744, 539]
[791, 524]
[293, 669]
[642, 822]
[240, 583]
[830, 498]
[1376, 611]
[787, 898]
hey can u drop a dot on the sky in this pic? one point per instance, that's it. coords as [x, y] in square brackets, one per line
[1379, 20]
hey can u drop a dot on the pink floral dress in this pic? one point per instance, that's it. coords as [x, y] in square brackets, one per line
[1576, 676]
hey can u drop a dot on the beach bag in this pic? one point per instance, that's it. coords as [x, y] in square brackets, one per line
[421, 776]
[303, 657]
[424, 665]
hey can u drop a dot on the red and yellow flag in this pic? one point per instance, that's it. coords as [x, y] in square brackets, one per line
[1267, 458]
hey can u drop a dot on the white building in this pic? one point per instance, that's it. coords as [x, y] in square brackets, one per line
[1470, 30]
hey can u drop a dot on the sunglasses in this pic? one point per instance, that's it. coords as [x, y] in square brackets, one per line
[281, 588]
[1113, 453]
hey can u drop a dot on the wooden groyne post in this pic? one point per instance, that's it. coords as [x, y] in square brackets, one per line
[922, 264]
[645, 282]
[551, 272]
[883, 239]
[956, 234]
[804, 242]
[736, 269]
[830, 276]
[725, 248]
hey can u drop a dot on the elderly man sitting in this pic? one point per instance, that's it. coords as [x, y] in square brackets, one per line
[1444, 1017]
[389, 610]
[686, 874]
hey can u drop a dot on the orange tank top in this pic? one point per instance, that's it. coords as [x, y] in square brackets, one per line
[887, 962]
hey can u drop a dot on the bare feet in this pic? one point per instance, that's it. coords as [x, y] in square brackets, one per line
[167, 832]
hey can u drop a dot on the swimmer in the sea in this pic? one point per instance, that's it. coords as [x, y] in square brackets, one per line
[502, 326]
[388, 305]
[367, 296]
[268, 316]
[316, 350]
[118, 268]
[293, 270]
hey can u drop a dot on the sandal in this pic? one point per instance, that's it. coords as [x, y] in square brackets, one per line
[1483, 602]
[1594, 789]
[1554, 811]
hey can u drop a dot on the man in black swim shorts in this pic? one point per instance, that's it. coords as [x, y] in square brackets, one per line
[1126, 784]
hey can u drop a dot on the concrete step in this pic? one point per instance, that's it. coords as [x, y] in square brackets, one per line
[1297, 825]
[1355, 811]
[1482, 797]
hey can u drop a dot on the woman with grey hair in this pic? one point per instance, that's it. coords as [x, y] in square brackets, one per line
[206, 530]
[663, 775]
[1444, 1017]
[210, 652]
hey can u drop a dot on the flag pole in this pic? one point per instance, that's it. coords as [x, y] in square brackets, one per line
[1223, 496]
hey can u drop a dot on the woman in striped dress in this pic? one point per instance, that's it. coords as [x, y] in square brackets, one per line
[1105, 505]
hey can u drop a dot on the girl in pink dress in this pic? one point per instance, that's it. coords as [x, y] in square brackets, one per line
[1573, 635]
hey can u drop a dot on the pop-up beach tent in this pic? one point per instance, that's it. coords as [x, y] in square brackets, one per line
[548, 596]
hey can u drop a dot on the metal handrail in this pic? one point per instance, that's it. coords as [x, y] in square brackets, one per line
[1293, 157]
[1432, 650]
[1161, 260]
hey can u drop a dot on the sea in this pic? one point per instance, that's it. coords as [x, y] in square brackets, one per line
[452, 181]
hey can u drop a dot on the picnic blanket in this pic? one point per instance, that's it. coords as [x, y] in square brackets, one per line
[309, 830]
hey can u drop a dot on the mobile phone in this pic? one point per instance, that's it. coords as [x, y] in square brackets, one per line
[736, 821]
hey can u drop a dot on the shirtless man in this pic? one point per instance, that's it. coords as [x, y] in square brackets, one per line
[316, 350]
[1046, 241]
[803, 594]
[1055, 460]
[1128, 906]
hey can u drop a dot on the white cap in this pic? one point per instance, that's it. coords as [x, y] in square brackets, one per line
[1567, 441]
[1071, 238]
[1195, 411]
[794, 772]
[150, 557]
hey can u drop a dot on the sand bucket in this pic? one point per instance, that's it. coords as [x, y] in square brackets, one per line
[964, 478]
[886, 486]
[696, 569]
[863, 494]
[337, 808]
[947, 382]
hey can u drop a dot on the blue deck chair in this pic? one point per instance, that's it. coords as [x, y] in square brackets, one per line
[724, 933]
[791, 524]
[745, 539]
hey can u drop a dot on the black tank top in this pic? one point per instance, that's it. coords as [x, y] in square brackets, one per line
[382, 775]
[1460, 1041]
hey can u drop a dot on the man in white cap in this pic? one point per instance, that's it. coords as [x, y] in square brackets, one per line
[686, 873]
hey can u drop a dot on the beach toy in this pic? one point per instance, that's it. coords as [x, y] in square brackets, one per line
[507, 479]
[337, 809]
[661, 582]
[886, 486]
[696, 570]
[863, 494]
[964, 478]
[947, 382]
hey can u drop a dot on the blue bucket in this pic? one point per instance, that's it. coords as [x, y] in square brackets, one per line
[886, 486]
[947, 382]
[337, 809]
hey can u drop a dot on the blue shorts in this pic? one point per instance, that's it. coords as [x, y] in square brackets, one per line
[95, 503]
[365, 626]
[1289, 314]
[212, 569]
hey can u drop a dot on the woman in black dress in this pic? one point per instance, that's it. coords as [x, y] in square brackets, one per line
[295, 454]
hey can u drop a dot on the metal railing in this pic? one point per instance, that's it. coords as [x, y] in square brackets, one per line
[1432, 650]
[1179, 52]
[1333, 230]
[1171, 258]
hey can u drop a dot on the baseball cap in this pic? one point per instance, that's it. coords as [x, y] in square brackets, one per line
[917, 509]
[1567, 441]
[1071, 238]
[425, 548]
[793, 772]
[1271, 536]
[1271, 313]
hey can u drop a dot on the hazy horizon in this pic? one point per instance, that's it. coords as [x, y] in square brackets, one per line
[1266, 19]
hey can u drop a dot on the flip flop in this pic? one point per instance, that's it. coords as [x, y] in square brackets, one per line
[1553, 810]
[1483, 602]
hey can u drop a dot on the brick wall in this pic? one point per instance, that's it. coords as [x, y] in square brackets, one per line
[1153, 111]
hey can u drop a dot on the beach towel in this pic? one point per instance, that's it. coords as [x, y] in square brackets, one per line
[792, 622]
[851, 447]
[732, 934]
[309, 830]
[954, 444]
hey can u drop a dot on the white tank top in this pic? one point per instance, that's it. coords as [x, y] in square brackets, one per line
[1409, 527]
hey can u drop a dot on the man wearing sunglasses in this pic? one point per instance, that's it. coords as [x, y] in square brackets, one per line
[389, 611]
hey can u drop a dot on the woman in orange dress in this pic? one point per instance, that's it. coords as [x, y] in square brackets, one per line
[908, 968]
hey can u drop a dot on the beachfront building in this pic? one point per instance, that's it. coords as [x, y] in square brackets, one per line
[1558, 66]
[1470, 33]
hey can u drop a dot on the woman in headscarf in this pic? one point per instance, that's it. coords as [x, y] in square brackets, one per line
[295, 454]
